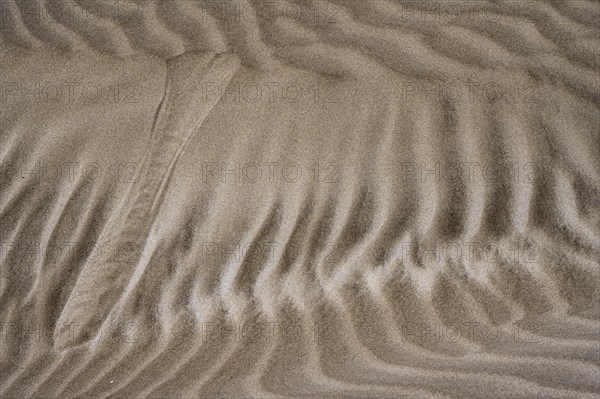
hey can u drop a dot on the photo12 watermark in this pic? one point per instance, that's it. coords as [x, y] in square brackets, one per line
[48, 92]
[468, 172]
[458, 91]
[453, 253]
[261, 92]
[31, 334]
[256, 13]
[487, 334]
[252, 172]
[71, 12]
[54, 172]
[454, 12]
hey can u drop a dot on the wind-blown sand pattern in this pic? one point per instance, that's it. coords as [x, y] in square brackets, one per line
[330, 199]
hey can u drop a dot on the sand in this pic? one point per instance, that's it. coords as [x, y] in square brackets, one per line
[299, 199]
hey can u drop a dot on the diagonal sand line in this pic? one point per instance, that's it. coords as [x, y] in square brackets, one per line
[179, 118]
[523, 322]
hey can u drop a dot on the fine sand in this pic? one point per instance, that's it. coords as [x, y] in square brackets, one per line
[282, 199]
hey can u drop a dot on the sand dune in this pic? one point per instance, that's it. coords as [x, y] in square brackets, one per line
[299, 199]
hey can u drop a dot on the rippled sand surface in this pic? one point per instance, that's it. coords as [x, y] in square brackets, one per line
[244, 199]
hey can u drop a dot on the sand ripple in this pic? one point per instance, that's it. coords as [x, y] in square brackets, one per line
[382, 223]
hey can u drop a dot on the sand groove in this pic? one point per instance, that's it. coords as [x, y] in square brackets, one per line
[128, 233]
[362, 295]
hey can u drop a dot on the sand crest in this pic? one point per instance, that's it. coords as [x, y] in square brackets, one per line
[334, 199]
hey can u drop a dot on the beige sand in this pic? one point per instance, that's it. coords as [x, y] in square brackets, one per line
[353, 199]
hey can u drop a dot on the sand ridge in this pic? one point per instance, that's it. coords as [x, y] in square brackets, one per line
[317, 210]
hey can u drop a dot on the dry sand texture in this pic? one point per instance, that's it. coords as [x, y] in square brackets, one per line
[218, 199]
